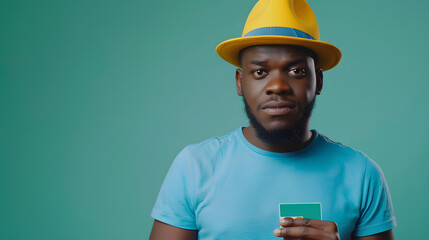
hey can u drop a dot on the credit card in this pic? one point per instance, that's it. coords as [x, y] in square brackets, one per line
[301, 210]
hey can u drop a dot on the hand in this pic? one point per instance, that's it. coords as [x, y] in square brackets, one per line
[305, 228]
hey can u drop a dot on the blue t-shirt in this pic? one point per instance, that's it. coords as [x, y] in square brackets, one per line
[226, 188]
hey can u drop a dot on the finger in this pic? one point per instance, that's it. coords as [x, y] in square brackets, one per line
[318, 224]
[303, 232]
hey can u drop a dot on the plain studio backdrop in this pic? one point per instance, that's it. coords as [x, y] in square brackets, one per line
[97, 98]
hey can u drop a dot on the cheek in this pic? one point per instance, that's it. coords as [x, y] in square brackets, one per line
[252, 92]
[311, 93]
[310, 89]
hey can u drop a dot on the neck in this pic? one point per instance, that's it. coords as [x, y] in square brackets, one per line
[251, 136]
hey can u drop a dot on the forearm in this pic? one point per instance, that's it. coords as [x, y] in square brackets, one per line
[387, 235]
[162, 231]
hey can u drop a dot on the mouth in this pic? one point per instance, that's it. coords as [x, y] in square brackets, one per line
[277, 111]
[275, 108]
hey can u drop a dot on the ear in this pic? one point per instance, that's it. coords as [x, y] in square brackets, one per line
[319, 81]
[238, 81]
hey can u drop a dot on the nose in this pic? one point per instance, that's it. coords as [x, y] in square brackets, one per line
[278, 85]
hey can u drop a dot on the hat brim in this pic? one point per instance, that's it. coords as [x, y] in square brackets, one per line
[328, 55]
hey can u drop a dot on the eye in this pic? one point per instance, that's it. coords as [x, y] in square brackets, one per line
[259, 73]
[297, 72]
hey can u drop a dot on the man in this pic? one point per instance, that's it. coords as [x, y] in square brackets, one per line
[231, 187]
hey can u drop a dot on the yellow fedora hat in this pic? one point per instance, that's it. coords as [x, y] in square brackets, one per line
[281, 22]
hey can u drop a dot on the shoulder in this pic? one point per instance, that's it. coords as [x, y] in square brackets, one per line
[352, 161]
[341, 150]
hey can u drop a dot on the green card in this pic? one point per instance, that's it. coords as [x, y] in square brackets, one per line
[301, 210]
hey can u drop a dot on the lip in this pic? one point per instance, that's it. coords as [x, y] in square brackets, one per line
[277, 108]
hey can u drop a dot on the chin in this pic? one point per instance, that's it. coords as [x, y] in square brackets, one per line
[278, 126]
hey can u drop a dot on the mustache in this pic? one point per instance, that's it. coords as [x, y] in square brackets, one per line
[277, 98]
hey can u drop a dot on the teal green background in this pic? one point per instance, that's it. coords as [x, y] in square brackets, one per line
[97, 98]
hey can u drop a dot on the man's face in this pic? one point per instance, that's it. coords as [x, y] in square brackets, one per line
[278, 84]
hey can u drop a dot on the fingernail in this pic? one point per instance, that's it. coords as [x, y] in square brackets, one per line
[277, 232]
[283, 221]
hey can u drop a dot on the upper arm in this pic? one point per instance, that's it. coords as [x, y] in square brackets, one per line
[376, 211]
[387, 235]
[176, 200]
[161, 231]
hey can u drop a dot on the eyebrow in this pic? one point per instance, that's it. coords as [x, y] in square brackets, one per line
[296, 62]
[256, 62]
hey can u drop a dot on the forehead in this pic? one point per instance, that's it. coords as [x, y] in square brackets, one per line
[275, 53]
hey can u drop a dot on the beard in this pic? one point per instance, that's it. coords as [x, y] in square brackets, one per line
[292, 135]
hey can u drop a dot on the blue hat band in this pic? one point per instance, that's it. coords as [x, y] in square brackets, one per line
[278, 31]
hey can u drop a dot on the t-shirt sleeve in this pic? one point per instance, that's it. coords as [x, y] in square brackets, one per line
[376, 213]
[176, 199]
